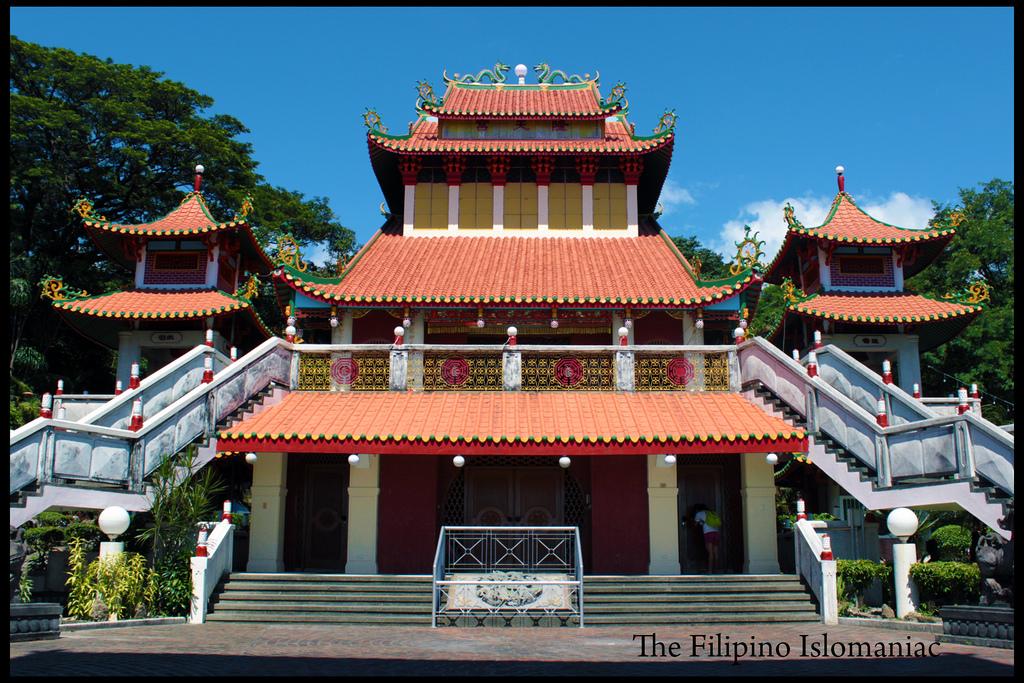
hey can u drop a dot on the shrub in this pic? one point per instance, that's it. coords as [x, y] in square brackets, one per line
[952, 543]
[120, 585]
[853, 577]
[946, 583]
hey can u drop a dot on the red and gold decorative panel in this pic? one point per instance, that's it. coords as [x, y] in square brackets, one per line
[578, 372]
[463, 372]
[681, 372]
[359, 372]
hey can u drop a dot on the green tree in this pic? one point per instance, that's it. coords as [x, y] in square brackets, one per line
[127, 138]
[982, 249]
[768, 315]
[712, 265]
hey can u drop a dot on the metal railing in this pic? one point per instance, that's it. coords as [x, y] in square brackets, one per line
[508, 574]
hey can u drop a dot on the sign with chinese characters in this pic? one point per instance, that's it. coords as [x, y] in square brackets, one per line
[863, 340]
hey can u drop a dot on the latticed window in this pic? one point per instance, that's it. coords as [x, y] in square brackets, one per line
[565, 206]
[609, 206]
[520, 206]
[476, 206]
[431, 205]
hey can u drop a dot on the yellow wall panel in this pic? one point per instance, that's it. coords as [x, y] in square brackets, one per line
[520, 206]
[431, 206]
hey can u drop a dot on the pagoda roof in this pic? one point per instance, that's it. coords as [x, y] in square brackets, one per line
[848, 224]
[537, 423]
[618, 139]
[145, 304]
[647, 270]
[881, 307]
[577, 101]
[191, 218]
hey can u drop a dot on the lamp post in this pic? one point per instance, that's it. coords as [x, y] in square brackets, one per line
[113, 521]
[902, 523]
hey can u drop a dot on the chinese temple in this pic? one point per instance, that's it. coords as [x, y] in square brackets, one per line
[190, 285]
[520, 351]
[844, 284]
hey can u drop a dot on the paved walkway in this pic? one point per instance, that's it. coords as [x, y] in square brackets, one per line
[253, 649]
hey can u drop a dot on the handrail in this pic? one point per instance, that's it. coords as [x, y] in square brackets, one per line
[820, 574]
[495, 348]
[207, 571]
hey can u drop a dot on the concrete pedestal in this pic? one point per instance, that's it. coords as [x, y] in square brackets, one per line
[111, 548]
[35, 620]
[987, 626]
[903, 556]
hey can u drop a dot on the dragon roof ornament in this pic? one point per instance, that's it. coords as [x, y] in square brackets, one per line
[250, 289]
[86, 210]
[789, 213]
[288, 253]
[244, 210]
[54, 288]
[372, 120]
[666, 123]
[546, 75]
[791, 294]
[976, 292]
[617, 97]
[495, 75]
[749, 251]
[425, 95]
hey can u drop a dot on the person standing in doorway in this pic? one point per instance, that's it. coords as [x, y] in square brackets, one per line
[711, 525]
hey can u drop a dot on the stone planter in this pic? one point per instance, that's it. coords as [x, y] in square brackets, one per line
[35, 620]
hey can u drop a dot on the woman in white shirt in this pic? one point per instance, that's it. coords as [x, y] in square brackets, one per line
[711, 525]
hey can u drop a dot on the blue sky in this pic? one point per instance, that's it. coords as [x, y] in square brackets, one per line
[913, 102]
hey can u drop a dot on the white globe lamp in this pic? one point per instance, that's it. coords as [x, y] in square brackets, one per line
[564, 462]
[902, 523]
[772, 458]
[458, 461]
[113, 521]
[353, 459]
[670, 460]
[250, 458]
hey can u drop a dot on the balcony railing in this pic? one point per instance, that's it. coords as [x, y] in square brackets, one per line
[477, 367]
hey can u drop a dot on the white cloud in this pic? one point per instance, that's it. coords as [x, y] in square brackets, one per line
[674, 195]
[765, 216]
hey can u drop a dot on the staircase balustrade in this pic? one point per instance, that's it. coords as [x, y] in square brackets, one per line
[818, 573]
[208, 571]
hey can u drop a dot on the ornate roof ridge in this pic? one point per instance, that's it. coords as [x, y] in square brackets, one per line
[915, 234]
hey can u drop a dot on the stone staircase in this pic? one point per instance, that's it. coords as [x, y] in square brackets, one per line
[701, 599]
[608, 600]
[323, 598]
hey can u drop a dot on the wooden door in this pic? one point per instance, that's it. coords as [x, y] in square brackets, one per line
[698, 485]
[514, 496]
[325, 517]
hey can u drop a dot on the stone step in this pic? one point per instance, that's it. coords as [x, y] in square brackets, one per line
[591, 608]
[374, 598]
[697, 618]
[296, 576]
[691, 588]
[692, 578]
[298, 617]
[262, 606]
[729, 599]
[325, 587]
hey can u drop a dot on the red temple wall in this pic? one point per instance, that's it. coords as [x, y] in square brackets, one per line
[618, 515]
[657, 328]
[376, 327]
[407, 524]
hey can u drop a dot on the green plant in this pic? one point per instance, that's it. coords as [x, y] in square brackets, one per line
[173, 588]
[25, 585]
[81, 591]
[952, 543]
[946, 583]
[853, 577]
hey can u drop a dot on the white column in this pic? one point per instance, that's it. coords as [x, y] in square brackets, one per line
[129, 351]
[897, 275]
[266, 527]
[409, 210]
[542, 208]
[663, 515]
[823, 270]
[453, 207]
[363, 491]
[417, 333]
[904, 555]
[588, 208]
[909, 360]
[499, 207]
[757, 493]
[140, 270]
[211, 267]
[343, 333]
[691, 335]
[632, 211]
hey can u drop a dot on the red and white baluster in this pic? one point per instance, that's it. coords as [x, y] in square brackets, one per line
[623, 336]
[133, 379]
[117, 388]
[880, 415]
[812, 364]
[234, 354]
[817, 339]
[46, 406]
[136, 422]
[209, 338]
[208, 369]
[917, 390]
[399, 334]
[801, 508]
[962, 405]
[974, 391]
[826, 547]
[512, 332]
[886, 372]
[60, 388]
[225, 516]
[204, 535]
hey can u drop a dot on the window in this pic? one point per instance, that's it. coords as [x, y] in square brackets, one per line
[476, 202]
[431, 206]
[565, 206]
[861, 265]
[609, 206]
[177, 260]
[520, 206]
[175, 268]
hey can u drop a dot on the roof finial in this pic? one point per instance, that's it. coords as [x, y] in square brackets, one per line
[199, 176]
[839, 178]
[520, 71]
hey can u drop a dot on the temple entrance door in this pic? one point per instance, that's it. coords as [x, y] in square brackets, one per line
[701, 484]
[512, 496]
[316, 523]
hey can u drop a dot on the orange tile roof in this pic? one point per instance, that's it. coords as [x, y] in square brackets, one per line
[701, 421]
[423, 138]
[154, 304]
[881, 307]
[513, 100]
[847, 222]
[191, 217]
[602, 270]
